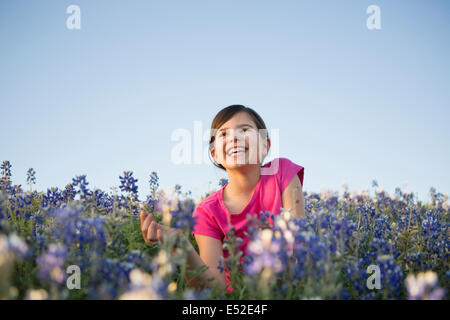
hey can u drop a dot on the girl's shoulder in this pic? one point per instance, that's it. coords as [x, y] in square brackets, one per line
[206, 221]
[283, 169]
[210, 203]
[278, 165]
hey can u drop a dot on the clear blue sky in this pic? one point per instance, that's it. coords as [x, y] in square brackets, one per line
[351, 104]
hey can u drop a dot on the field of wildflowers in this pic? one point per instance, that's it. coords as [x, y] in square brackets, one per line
[325, 256]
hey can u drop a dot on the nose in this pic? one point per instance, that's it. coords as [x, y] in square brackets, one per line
[234, 136]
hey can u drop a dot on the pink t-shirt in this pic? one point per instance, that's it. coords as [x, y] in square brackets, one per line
[212, 214]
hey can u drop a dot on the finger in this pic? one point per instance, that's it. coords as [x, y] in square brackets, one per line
[144, 227]
[143, 215]
[159, 235]
[147, 223]
[151, 235]
[144, 233]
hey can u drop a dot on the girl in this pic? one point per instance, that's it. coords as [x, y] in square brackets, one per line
[238, 144]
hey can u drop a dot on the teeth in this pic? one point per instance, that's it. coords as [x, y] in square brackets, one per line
[234, 151]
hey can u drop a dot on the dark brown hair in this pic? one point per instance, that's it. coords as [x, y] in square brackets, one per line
[226, 114]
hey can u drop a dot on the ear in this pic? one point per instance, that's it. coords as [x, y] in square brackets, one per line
[213, 153]
[267, 147]
[269, 143]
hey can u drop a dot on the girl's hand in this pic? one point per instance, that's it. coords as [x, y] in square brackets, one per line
[154, 232]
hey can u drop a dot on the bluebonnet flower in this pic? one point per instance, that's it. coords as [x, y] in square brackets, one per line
[162, 264]
[264, 252]
[345, 295]
[374, 183]
[382, 227]
[6, 168]
[369, 296]
[223, 182]
[447, 276]
[88, 235]
[21, 201]
[113, 277]
[177, 189]
[431, 228]
[53, 198]
[69, 192]
[154, 182]
[5, 184]
[309, 250]
[144, 286]
[51, 264]
[424, 286]
[31, 178]
[5, 179]
[151, 200]
[355, 278]
[17, 245]
[15, 190]
[81, 182]
[392, 277]
[182, 214]
[398, 192]
[272, 241]
[435, 196]
[204, 294]
[114, 270]
[12, 247]
[135, 257]
[220, 265]
[407, 217]
[435, 239]
[325, 254]
[128, 184]
[37, 236]
[100, 198]
[36, 294]
[377, 247]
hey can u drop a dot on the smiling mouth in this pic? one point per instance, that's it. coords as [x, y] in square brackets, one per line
[236, 151]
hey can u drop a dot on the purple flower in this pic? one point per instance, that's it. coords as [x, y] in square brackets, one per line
[51, 264]
[223, 182]
[424, 286]
[69, 192]
[6, 168]
[53, 198]
[80, 181]
[31, 178]
[182, 215]
[128, 184]
[154, 182]
[264, 252]
[17, 245]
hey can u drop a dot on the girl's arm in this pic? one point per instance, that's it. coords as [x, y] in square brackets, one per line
[292, 198]
[210, 253]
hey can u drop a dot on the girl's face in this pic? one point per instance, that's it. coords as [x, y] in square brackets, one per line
[238, 142]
